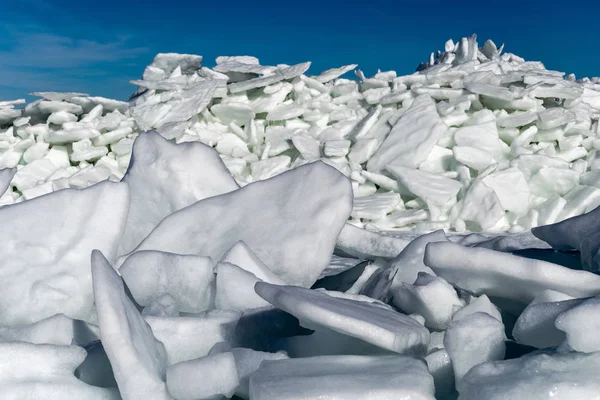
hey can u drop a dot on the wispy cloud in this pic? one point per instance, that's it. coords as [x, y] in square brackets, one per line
[48, 50]
[35, 57]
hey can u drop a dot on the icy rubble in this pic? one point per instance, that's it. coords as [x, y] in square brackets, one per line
[472, 130]
[212, 303]
[252, 265]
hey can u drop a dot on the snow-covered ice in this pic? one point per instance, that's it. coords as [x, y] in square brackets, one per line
[343, 377]
[267, 233]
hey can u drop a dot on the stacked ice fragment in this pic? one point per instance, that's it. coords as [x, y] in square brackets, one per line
[235, 252]
[176, 283]
[476, 140]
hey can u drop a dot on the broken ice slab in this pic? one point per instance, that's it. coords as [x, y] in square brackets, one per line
[203, 378]
[375, 206]
[372, 323]
[235, 288]
[536, 324]
[497, 274]
[44, 371]
[57, 329]
[472, 340]
[412, 137]
[343, 378]
[189, 63]
[164, 177]
[430, 297]
[278, 76]
[187, 278]
[126, 337]
[537, 376]
[580, 324]
[428, 186]
[297, 242]
[75, 223]
[6, 175]
[189, 337]
[369, 245]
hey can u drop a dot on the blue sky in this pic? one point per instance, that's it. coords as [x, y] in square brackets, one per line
[97, 47]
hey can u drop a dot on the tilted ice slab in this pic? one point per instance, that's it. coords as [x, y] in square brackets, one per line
[581, 233]
[365, 244]
[498, 110]
[290, 221]
[45, 371]
[188, 279]
[484, 271]
[412, 138]
[247, 362]
[164, 177]
[534, 377]
[372, 323]
[138, 360]
[45, 245]
[57, 329]
[343, 378]
[235, 288]
[6, 176]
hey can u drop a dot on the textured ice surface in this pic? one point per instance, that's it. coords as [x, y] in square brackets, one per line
[190, 337]
[370, 245]
[203, 378]
[380, 326]
[580, 232]
[164, 177]
[429, 296]
[235, 288]
[580, 324]
[44, 371]
[45, 247]
[475, 140]
[138, 360]
[472, 340]
[411, 138]
[343, 377]
[188, 279]
[296, 243]
[242, 256]
[6, 175]
[536, 325]
[542, 376]
[483, 271]
[57, 330]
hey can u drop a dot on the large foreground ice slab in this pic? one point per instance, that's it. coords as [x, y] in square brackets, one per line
[571, 376]
[165, 177]
[138, 360]
[372, 323]
[45, 245]
[343, 378]
[493, 273]
[290, 221]
[29, 371]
